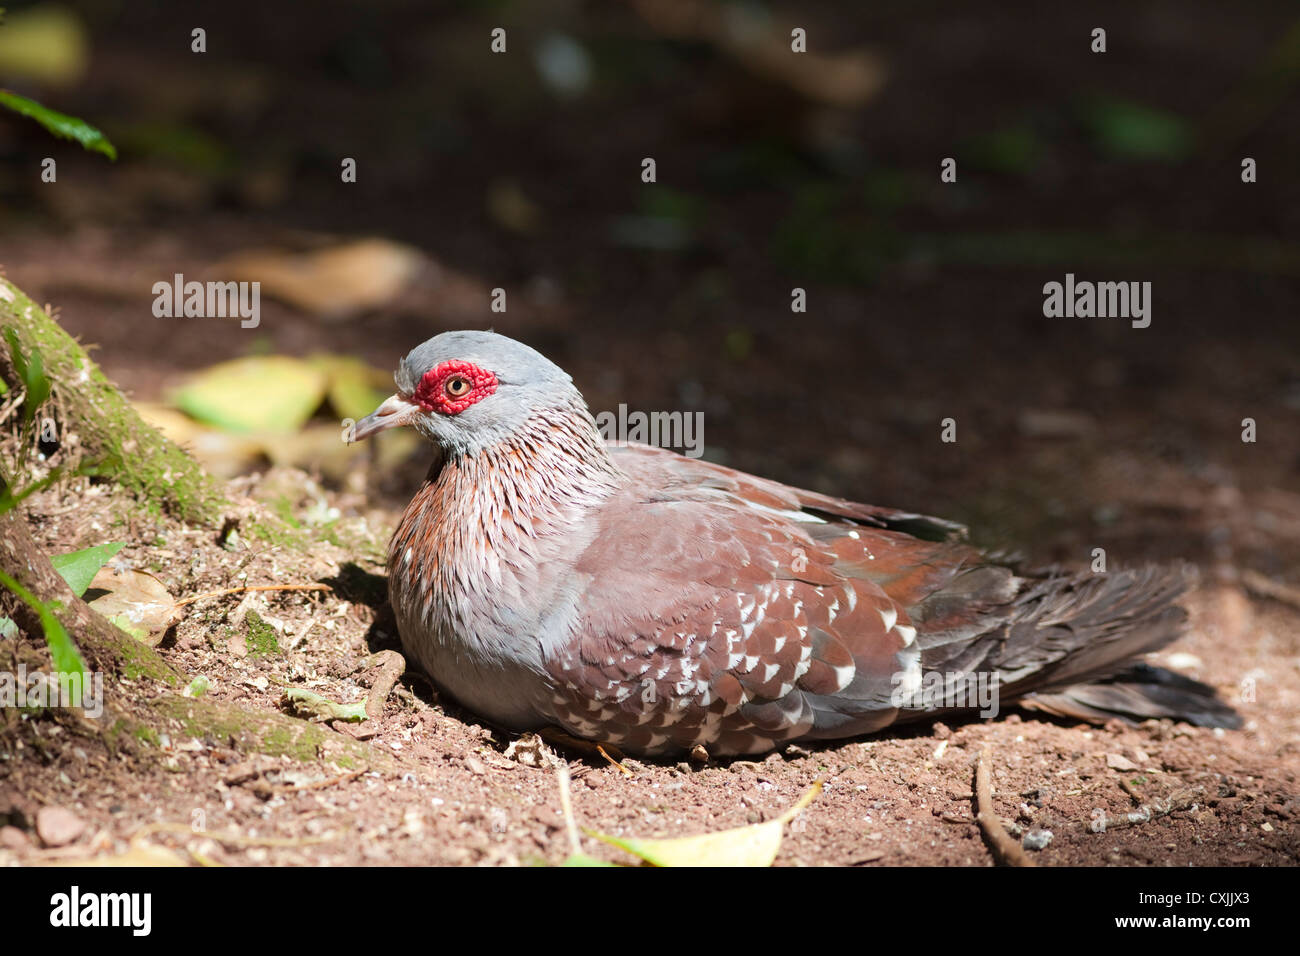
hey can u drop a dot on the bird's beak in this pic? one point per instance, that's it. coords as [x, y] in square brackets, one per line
[394, 412]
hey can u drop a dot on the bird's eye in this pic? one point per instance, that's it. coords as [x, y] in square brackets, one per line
[457, 386]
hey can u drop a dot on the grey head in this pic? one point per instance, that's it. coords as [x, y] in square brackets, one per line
[467, 390]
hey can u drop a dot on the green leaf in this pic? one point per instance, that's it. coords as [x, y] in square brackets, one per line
[260, 393]
[755, 845]
[38, 386]
[30, 369]
[1132, 131]
[60, 124]
[67, 659]
[80, 567]
[581, 859]
[304, 703]
[355, 389]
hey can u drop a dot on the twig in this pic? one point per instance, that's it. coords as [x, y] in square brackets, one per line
[566, 806]
[1178, 800]
[252, 587]
[1127, 786]
[622, 769]
[392, 665]
[1003, 845]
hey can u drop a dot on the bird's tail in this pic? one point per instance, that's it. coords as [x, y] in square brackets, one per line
[1069, 646]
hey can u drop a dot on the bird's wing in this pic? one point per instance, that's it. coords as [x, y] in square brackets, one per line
[733, 612]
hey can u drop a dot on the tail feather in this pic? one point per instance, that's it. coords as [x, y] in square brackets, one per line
[1143, 692]
[1069, 646]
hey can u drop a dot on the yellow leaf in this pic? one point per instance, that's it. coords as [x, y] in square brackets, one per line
[139, 854]
[755, 845]
[45, 44]
[260, 393]
[355, 389]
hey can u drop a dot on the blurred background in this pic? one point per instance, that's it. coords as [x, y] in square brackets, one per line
[522, 171]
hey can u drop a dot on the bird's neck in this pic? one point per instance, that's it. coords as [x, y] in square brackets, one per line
[551, 470]
[509, 508]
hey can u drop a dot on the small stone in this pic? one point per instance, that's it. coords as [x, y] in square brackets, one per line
[57, 826]
[1120, 762]
[475, 766]
[1037, 839]
[699, 754]
[14, 838]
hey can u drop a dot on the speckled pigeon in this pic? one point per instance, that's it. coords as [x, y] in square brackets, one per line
[636, 597]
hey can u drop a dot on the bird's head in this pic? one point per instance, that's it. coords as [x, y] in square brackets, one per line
[466, 391]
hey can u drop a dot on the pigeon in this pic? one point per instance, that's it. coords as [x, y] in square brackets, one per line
[631, 596]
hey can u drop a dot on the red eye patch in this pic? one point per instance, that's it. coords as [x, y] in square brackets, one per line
[432, 394]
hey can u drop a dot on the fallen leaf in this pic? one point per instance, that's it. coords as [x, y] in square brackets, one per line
[353, 388]
[137, 602]
[140, 854]
[304, 703]
[223, 454]
[334, 282]
[46, 44]
[755, 845]
[259, 393]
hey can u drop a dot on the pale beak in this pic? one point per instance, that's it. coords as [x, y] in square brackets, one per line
[394, 412]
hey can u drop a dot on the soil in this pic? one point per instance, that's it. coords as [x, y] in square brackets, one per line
[1072, 435]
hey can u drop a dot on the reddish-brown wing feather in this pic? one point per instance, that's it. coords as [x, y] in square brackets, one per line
[718, 611]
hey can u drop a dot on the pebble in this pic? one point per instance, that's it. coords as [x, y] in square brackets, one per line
[1037, 839]
[57, 826]
[1120, 762]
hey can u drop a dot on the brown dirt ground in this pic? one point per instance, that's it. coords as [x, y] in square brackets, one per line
[443, 792]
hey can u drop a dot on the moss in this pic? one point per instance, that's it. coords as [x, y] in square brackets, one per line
[123, 446]
[281, 535]
[260, 636]
[282, 508]
[269, 733]
[136, 660]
